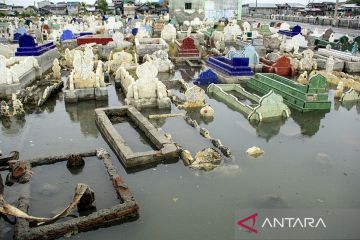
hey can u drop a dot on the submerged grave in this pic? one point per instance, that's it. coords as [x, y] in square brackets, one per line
[267, 107]
[104, 214]
[165, 149]
[312, 96]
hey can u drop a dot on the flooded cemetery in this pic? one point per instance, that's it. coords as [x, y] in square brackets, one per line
[164, 125]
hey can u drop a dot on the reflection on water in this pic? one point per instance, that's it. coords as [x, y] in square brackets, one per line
[12, 125]
[133, 137]
[83, 112]
[268, 130]
[348, 105]
[309, 122]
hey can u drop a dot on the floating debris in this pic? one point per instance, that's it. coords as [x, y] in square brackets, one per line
[255, 151]
[20, 172]
[216, 142]
[207, 159]
[186, 157]
[207, 112]
[205, 133]
[191, 122]
[157, 116]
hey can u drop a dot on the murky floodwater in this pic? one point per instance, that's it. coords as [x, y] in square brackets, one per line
[311, 161]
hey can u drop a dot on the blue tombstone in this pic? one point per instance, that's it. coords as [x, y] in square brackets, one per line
[134, 31]
[28, 46]
[16, 37]
[67, 35]
[21, 31]
[207, 77]
[250, 52]
[27, 41]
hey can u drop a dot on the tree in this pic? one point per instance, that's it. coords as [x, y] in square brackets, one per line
[82, 7]
[353, 1]
[102, 5]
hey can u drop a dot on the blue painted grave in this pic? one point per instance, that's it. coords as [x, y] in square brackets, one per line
[67, 35]
[28, 46]
[237, 66]
[207, 77]
[293, 32]
[21, 31]
[134, 31]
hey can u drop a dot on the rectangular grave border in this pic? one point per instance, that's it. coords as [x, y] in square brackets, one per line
[167, 150]
[127, 209]
[195, 63]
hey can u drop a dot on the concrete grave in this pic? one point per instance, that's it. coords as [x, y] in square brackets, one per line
[165, 150]
[150, 45]
[265, 108]
[312, 96]
[187, 49]
[231, 70]
[282, 66]
[28, 47]
[126, 209]
[21, 73]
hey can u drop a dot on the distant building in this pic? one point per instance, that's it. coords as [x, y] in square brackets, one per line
[44, 3]
[117, 2]
[59, 9]
[320, 8]
[90, 8]
[31, 10]
[111, 8]
[349, 9]
[216, 9]
[272, 8]
[290, 8]
[4, 9]
[73, 8]
[260, 8]
[210, 9]
[189, 6]
[129, 8]
[18, 9]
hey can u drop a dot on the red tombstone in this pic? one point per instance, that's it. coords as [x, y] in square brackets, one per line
[282, 66]
[46, 27]
[98, 39]
[187, 48]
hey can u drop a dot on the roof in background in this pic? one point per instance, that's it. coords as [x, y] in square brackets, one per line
[274, 5]
[263, 5]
